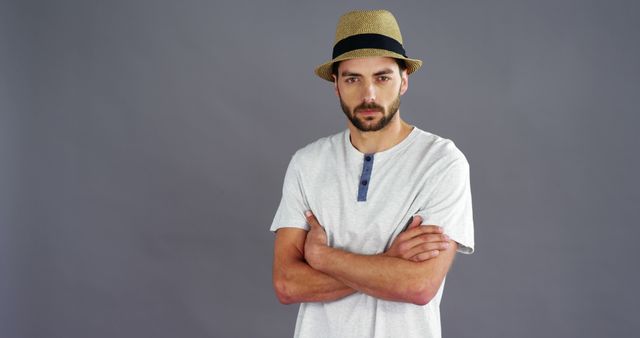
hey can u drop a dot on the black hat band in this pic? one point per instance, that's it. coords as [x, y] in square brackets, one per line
[361, 41]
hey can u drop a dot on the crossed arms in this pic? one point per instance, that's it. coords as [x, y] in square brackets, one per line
[306, 269]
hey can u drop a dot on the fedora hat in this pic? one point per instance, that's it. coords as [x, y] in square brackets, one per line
[362, 34]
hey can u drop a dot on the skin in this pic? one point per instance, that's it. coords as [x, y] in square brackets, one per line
[296, 281]
[378, 81]
[306, 269]
[380, 276]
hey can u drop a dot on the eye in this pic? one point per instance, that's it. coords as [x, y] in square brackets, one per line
[351, 79]
[384, 78]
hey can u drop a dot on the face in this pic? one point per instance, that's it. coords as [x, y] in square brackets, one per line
[369, 90]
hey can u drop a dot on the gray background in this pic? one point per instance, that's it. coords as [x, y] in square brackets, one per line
[143, 146]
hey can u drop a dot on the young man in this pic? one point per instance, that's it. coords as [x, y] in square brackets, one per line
[371, 218]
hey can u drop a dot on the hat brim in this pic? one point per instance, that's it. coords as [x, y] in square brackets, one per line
[324, 70]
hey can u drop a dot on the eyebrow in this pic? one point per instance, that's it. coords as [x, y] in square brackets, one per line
[382, 72]
[348, 73]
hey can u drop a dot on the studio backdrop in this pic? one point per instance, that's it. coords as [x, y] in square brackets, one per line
[143, 147]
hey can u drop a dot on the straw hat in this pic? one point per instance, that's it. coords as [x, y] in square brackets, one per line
[363, 34]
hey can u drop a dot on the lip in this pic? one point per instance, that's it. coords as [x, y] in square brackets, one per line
[368, 111]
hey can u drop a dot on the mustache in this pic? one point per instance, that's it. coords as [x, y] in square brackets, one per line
[369, 106]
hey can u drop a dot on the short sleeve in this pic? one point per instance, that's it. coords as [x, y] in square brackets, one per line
[290, 213]
[449, 205]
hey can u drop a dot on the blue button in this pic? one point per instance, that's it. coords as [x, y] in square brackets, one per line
[367, 158]
[364, 182]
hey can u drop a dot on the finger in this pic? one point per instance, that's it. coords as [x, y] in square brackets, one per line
[424, 229]
[406, 245]
[426, 248]
[311, 218]
[425, 238]
[415, 222]
[425, 256]
[429, 229]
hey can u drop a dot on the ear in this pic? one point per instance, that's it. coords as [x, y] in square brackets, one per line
[335, 85]
[404, 85]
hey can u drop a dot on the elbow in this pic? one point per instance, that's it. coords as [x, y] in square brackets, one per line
[422, 294]
[283, 291]
[422, 298]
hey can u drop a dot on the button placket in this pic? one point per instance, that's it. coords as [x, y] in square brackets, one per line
[365, 177]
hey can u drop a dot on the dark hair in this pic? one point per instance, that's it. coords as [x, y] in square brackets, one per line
[334, 66]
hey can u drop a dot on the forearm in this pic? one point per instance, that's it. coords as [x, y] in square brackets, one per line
[381, 276]
[299, 282]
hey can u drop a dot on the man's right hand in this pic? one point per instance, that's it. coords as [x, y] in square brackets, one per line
[418, 242]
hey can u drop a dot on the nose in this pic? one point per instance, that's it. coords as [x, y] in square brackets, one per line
[369, 94]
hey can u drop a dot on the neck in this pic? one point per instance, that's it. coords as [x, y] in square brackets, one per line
[376, 141]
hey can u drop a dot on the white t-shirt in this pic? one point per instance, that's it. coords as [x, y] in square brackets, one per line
[364, 201]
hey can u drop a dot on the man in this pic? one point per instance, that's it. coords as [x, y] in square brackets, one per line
[370, 218]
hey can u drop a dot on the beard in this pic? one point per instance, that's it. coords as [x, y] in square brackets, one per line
[387, 114]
